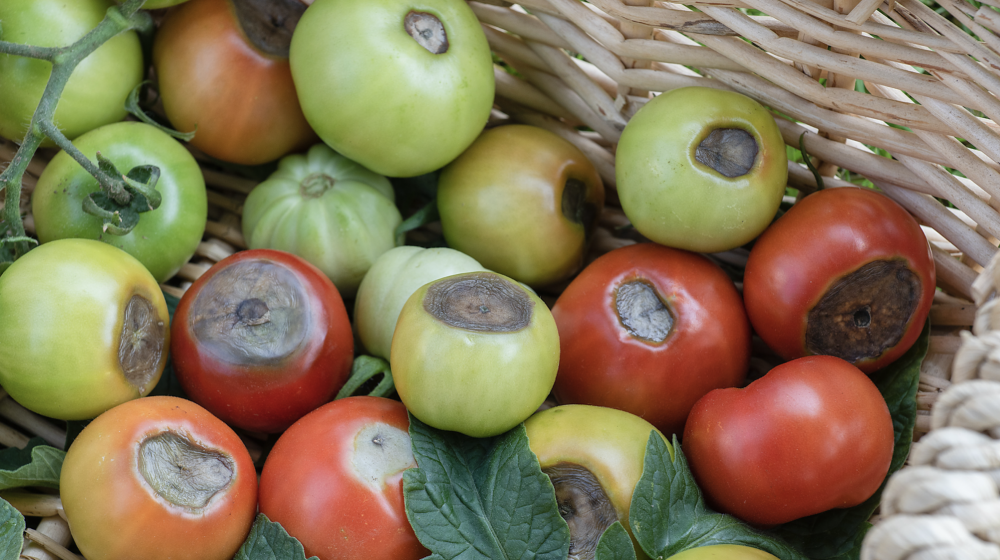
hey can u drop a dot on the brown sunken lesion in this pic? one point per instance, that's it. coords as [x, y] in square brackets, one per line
[865, 312]
[427, 30]
[483, 302]
[141, 342]
[269, 24]
[730, 151]
[584, 505]
[642, 312]
[183, 472]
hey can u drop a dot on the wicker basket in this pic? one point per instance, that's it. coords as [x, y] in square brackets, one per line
[926, 82]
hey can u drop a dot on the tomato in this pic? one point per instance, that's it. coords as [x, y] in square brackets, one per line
[223, 72]
[649, 330]
[845, 272]
[326, 209]
[158, 478]
[723, 552]
[261, 339]
[810, 435]
[594, 457]
[83, 327]
[157, 4]
[475, 353]
[334, 480]
[523, 202]
[389, 283]
[413, 110]
[165, 238]
[96, 92]
[701, 169]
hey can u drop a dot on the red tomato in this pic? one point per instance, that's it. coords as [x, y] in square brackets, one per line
[261, 339]
[648, 329]
[158, 478]
[811, 435]
[214, 77]
[845, 272]
[334, 480]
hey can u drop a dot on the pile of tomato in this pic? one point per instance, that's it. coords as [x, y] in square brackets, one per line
[344, 95]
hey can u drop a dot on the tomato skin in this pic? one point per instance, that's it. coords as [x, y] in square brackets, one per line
[312, 486]
[811, 435]
[821, 238]
[603, 364]
[62, 311]
[723, 552]
[95, 93]
[267, 397]
[165, 238]
[114, 513]
[240, 102]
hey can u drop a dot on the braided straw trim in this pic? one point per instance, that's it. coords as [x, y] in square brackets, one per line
[946, 503]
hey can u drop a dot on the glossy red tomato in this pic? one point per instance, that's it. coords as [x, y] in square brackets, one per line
[334, 480]
[158, 478]
[261, 339]
[845, 272]
[649, 330]
[811, 435]
[223, 68]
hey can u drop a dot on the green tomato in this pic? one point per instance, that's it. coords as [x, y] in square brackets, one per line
[701, 169]
[377, 95]
[96, 92]
[475, 353]
[522, 201]
[723, 552]
[157, 4]
[594, 457]
[391, 281]
[165, 238]
[326, 209]
[83, 327]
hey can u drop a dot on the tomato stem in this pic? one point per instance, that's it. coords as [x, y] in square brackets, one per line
[119, 19]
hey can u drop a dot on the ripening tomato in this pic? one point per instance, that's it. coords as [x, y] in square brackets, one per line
[158, 478]
[262, 339]
[845, 272]
[810, 435]
[223, 72]
[649, 330]
[334, 480]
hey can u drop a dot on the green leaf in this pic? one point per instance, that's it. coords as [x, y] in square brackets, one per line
[11, 531]
[269, 541]
[837, 534]
[615, 544]
[35, 465]
[481, 499]
[363, 370]
[668, 513]
[422, 217]
[119, 209]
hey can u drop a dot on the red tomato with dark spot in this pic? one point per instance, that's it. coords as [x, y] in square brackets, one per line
[261, 339]
[845, 272]
[648, 329]
[811, 435]
[334, 481]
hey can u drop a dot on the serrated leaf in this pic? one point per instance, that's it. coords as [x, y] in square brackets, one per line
[269, 541]
[481, 498]
[615, 544]
[836, 534]
[668, 513]
[11, 531]
[36, 465]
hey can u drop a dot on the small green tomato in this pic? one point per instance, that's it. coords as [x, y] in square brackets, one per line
[701, 169]
[475, 353]
[723, 552]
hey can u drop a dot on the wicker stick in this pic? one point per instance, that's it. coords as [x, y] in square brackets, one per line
[960, 38]
[33, 504]
[9, 437]
[32, 422]
[526, 94]
[565, 96]
[55, 530]
[51, 545]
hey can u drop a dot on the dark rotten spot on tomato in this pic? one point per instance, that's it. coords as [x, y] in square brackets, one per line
[268, 24]
[864, 312]
[641, 311]
[575, 206]
[482, 302]
[730, 151]
[141, 342]
[584, 505]
[427, 31]
[252, 312]
[183, 472]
